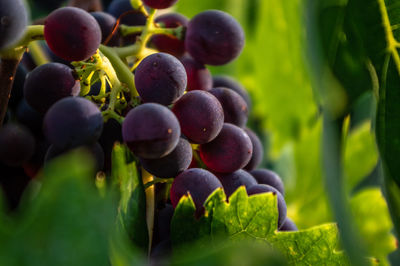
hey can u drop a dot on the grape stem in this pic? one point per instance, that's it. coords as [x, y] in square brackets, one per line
[158, 180]
[129, 30]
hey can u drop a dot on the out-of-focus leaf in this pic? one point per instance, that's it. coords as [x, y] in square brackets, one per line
[373, 220]
[132, 209]
[67, 223]
[255, 218]
[361, 155]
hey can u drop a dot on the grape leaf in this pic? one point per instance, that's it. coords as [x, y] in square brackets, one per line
[253, 218]
[132, 210]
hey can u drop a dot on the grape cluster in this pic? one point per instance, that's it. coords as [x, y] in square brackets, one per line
[179, 121]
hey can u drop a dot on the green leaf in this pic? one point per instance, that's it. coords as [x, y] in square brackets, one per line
[68, 222]
[372, 217]
[132, 206]
[253, 218]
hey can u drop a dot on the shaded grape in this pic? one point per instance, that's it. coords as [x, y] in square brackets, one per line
[71, 122]
[230, 83]
[163, 222]
[159, 4]
[288, 225]
[214, 37]
[106, 23]
[72, 33]
[235, 108]
[17, 144]
[268, 177]
[13, 21]
[232, 181]
[199, 77]
[166, 43]
[151, 130]
[112, 132]
[30, 118]
[261, 188]
[160, 78]
[171, 164]
[199, 183]
[258, 151]
[17, 92]
[47, 84]
[200, 115]
[229, 151]
[133, 18]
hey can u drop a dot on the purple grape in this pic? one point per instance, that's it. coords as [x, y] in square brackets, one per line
[230, 83]
[232, 181]
[199, 77]
[198, 182]
[17, 92]
[229, 151]
[159, 4]
[71, 122]
[13, 21]
[200, 115]
[30, 118]
[261, 188]
[106, 23]
[258, 151]
[49, 83]
[214, 37]
[160, 78]
[170, 44]
[235, 108]
[268, 177]
[17, 144]
[288, 225]
[112, 132]
[119, 7]
[172, 164]
[151, 131]
[72, 33]
[163, 223]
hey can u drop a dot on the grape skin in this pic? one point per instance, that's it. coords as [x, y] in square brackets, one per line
[199, 183]
[106, 23]
[160, 78]
[261, 188]
[229, 151]
[151, 131]
[268, 177]
[214, 37]
[72, 33]
[172, 164]
[59, 83]
[232, 181]
[159, 4]
[200, 115]
[13, 21]
[230, 83]
[288, 225]
[71, 122]
[17, 144]
[170, 44]
[258, 151]
[235, 108]
[199, 77]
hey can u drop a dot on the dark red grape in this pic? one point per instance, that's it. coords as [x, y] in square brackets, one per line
[235, 108]
[49, 83]
[159, 4]
[17, 144]
[133, 18]
[199, 77]
[288, 225]
[95, 150]
[214, 37]
[151, 130]
[198, 182]
[229, 151]
[72, 33]
[71, 122]
[13, 21]
[160, 78]
[200, 115]
[258, 151]
[230, 83]
[172, 164]
[232, 181]
[261, 188]
[106, 23]
[268, 177]
[170, 44]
